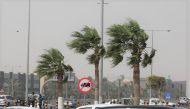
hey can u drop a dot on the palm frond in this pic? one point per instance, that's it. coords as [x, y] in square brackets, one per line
[102, 51]
[148, 58]
[65, 79]
[51, 63]
[67, 68]
[92, 58]
[55, 54]
[114, 49]
[128, 37]
[133, 59]
[152, 54]
[87, 39]
[116, 59]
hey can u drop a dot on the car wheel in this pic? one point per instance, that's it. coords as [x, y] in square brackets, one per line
[8, 104]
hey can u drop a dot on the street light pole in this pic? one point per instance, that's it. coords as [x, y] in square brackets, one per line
[102, 44]
[151, 62]
[187, 47]
[28, 51]
[101, 59]
[152, 47]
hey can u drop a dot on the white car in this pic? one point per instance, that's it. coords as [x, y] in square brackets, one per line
[155, 101]
[67, 103]
[21, 107]
[6, 100]
[183, 100]
[95, 106]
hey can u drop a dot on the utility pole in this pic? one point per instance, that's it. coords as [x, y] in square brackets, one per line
[102, 44]
[152, 47]
[119, 89]
[28, 51]
[101, 59]
[187, 48]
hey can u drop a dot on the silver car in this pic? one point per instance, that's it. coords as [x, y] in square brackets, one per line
[6, 100]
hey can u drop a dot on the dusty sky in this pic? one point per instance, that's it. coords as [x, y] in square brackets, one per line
[53, 21]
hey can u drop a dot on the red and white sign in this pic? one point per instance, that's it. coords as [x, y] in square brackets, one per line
[85, 85]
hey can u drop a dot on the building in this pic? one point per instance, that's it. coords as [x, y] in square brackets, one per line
[179, 88]
[14, 84]
[176, 88]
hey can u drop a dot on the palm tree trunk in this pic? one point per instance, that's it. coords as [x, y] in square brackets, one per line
[97, 81]
[59, 85]
[136, 83]
[60, 90]
[160, 94]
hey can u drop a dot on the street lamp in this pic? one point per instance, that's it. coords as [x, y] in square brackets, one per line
[28, 51]
[101, 59]
[152, 47]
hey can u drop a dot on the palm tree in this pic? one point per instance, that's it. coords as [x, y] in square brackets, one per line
[157, 83]
[129, 38]
[86, 40]
[52, 63]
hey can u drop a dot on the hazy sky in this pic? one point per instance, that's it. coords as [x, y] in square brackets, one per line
[53, 21]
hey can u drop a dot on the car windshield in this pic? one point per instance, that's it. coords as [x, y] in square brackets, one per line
[1, 97]
[9, 97]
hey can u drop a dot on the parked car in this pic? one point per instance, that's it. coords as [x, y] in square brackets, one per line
[6, 100]
[157, 101]
[127, 101]
[20, 101]
[70, 103]
[183, 100]
[21, 107]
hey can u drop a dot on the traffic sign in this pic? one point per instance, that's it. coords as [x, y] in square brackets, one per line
[85, 85]
[167, 95]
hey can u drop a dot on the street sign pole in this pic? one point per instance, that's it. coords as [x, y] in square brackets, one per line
[84, 100]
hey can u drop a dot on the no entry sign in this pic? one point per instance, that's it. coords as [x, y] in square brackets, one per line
[85, 85]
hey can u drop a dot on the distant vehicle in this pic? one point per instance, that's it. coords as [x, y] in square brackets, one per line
[142, 102]
[70, 103]
[6, 100]
[183, 100]
[20, 101]
[21, 107]
[85, 84]
[35, 95]
[127, 101]
[155, 101]
[121, 106]
[113, 101]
